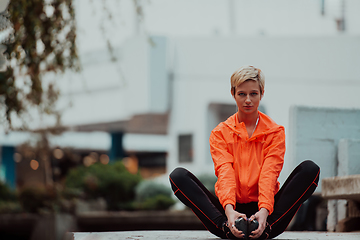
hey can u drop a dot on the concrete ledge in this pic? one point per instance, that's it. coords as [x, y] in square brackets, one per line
[17, 225]
[347, 187]
[138, 220]
[187, 235]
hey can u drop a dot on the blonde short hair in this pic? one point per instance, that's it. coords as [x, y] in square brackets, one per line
[246, 73]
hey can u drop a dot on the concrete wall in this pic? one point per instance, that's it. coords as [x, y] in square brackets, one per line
[349, 157]
[315, 133]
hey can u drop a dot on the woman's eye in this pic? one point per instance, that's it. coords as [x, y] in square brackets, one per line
[254, 93]
[241, 94]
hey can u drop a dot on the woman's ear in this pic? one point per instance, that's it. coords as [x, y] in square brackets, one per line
[232, 91]
[262, 95]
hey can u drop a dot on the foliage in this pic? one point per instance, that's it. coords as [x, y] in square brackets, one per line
[148, 189]
[43, 41]
[153, 196]
[5, 32]
[112, 182]
[34, 199]
[158, 202]
[8, 200]
[10, 207]
[6, 194]
[49, 199]
[37, 199]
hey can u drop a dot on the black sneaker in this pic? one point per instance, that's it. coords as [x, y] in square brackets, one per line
[246, 226]
[252, 226]
[227, 231]
[266, 233]
[242, 225]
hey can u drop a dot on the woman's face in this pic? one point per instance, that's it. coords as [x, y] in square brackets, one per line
[247, 97]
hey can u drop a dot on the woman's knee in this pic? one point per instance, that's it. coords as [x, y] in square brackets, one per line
[310, 168]
[178, 174]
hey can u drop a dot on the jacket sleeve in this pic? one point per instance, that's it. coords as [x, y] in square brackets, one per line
[273, 162]
[225, 187]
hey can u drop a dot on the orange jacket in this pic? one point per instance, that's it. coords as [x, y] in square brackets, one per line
[247, 169]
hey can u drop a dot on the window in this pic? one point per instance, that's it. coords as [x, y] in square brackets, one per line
[185, 148]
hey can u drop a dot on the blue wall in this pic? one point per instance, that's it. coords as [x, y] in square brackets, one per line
[117, 150]
[7, 160]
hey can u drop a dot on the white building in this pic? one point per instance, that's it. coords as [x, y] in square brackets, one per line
[173, 83]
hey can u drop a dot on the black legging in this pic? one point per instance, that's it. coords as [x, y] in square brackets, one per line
[299, 186]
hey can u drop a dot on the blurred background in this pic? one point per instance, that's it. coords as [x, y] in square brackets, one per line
[102, 99]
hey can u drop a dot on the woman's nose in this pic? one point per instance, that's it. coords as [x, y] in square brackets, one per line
[247, 100]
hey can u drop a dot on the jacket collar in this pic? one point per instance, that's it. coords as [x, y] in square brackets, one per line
[265, 126]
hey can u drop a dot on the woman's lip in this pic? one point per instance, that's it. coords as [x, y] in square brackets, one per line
[247, 106]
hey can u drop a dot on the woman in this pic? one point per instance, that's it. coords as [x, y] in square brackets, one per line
[248, 154]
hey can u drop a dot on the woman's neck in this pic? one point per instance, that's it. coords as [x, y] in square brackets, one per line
[248, 119]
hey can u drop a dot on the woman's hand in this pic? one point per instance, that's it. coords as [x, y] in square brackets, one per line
[232, 215]
[261, 217]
